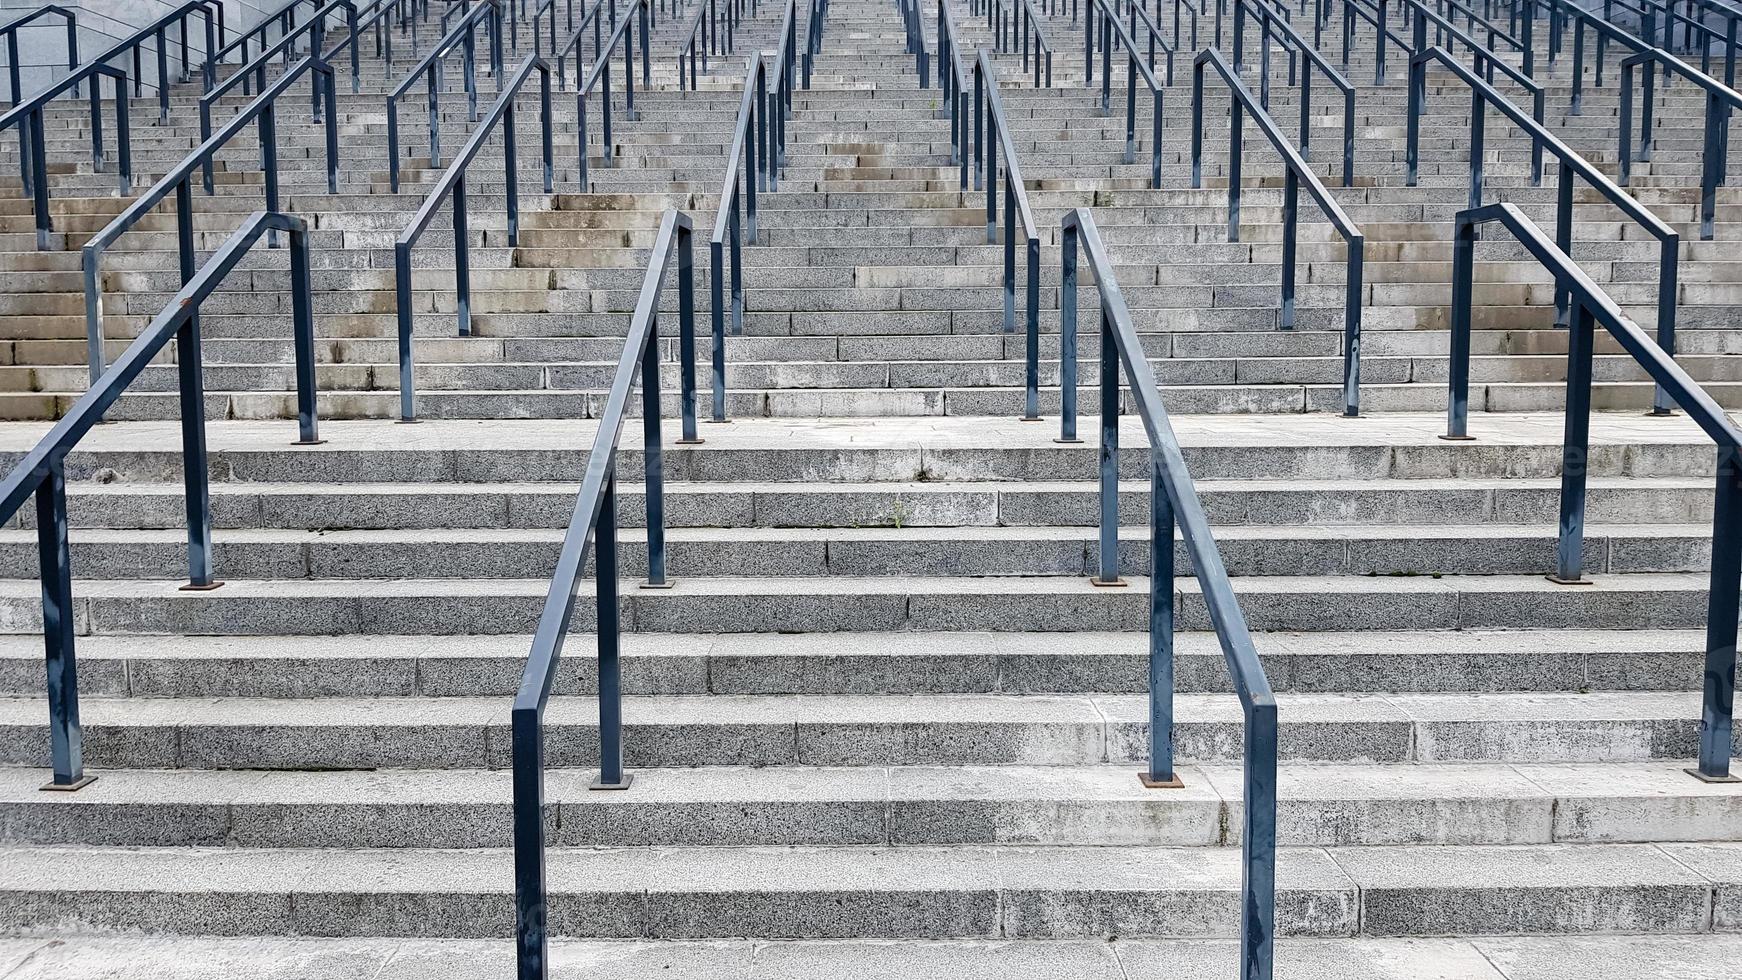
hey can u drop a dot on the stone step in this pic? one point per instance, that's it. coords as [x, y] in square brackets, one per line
[1568, 660]
[698, 892]
[1691, 956]
[665, 731]
[1336, 805]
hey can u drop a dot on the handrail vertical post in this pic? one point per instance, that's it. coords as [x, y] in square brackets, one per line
[462, 258]
[402, 295]
[653, 458]
[1458, 367]
[39, 167]
[1575, 448]
[1352, 294]
[303, 335]
[686, 334]
[611, 774]
[1108, 573]
[1667, 288]
[1258, 845]
[65, 734]
[1031, 369]
[189, 370]
[1719, 687]
[1290, 222]
[1068, 335]
[1160, 773]
[1563, 224]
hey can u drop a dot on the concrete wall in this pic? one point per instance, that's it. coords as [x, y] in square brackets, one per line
[43, 49]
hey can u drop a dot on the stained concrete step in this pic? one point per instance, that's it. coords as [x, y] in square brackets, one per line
[839, 892]
[967, 503]
[120, 666]
[1687, 957]
[918, 730]
[1321, 805]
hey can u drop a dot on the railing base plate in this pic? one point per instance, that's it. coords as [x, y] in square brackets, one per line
[1458, 438]
[80, 783]
[209, 586]
[309, 442]
[1556, 579]
[690, 442]
[1067, 442]
[406, 421]
[1117, 583]
[600, 784]
[658, 585]
[1702, 777]
[1150, 782]
[1031, 418]
[1660, 414]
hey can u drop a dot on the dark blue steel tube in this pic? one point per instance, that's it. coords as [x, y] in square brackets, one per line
[189, 369]
[1719, 686]
[1458, 369]
[65, 736]
[1575, 447]
[1068, 335]
[1109, 457]
[1161, 671]
[653, 458]
[611, 775]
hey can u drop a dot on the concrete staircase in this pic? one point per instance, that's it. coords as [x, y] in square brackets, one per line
[883, 724]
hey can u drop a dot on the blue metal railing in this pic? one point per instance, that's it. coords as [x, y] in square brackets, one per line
[753, 163]
[600, 76]
[1721, 101]
[1135, 67]
[452, 187]
[1173, 501]
[1374, 14]
[953, 84]
[461, 37]
[1572, 167]
[1017, 26]
[1591, 306]
[42, 472]
[702, 37]
[10, 29]
[315, 29]
[992, 131]
[28, 115]
[593, 17]
[593, 529]
[1269, 25]
[179, 181]
[911, 20]
[1296, 172]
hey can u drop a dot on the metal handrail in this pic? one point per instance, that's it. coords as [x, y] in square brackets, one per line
[283, 18]
[600, 73]
[595, 16]
[452, 184]
[1296, 172]
[701, 38]
[463, 35]
[816, 18]
[1473, 20]
[179, 181]
[10, 31]
[1572, 166]
[911, 22]
[1375, 14]
[953, 84]
[1592, 306]
[1016, 26]
[1311, 54]
[42, 471]
[1111, 27]
[1483, 58]
[1720, 101]
[1173, 501]
[316, 30]
[28, 114]
[593, 529]
[992, 131]
[753, 162]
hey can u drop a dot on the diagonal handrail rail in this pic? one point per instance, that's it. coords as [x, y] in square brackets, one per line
[179, 182]
[1017, 27]
[702, 37]
[462, 37]
[451, 187]
[594, 16]
[593, 530]
[1721, 101]
[600, 76]
[1311, 54]
[1173, 501]
[911, 22]
[1296, 172]
[28, 114]
[1483, 57]
[42, 471]
[1572, 167]
[1591, 306]
[991, 132]
[1111, 28]
[1374, 14]
[753, 162]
